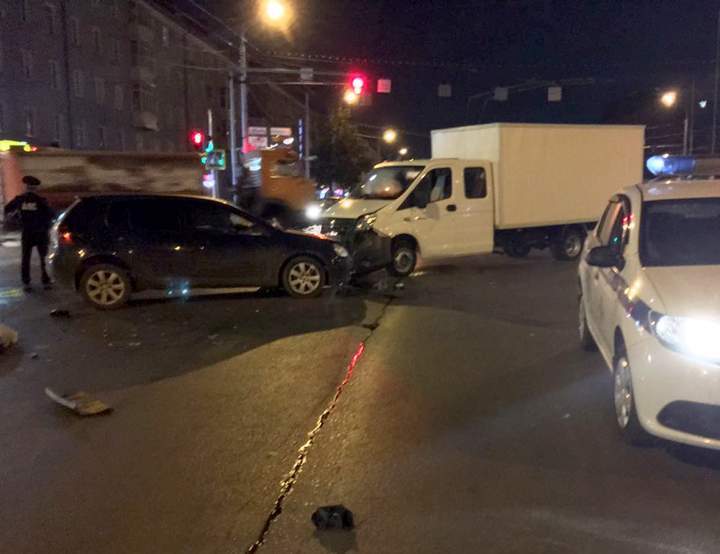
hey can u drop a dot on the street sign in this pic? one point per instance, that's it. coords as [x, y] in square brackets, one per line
[257, 131]
[307, 73]
[554, 94]
[501, 94]
[384, 86]
[215, 160]
[281, 131]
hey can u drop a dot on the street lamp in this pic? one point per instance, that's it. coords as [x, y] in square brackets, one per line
[275, 11]
[403, 151]
[390, 136]
[669, 99]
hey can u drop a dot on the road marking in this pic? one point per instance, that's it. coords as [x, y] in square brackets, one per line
[13, 292]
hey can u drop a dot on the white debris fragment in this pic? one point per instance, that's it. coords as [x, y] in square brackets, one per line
[8, 337]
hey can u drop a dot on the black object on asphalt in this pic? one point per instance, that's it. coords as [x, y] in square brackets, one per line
[59, 313]
[333, 517]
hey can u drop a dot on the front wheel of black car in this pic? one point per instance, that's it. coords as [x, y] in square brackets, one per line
[303, 277]
[105, 286]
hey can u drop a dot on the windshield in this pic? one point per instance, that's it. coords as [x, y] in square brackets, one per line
[387, 183]
[680, 232]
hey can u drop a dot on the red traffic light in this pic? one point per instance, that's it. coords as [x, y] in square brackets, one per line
[197, 139]
[357, 83]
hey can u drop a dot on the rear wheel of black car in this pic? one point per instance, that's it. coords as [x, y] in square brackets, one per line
[404, 258]
[105, 286]
[303, 277]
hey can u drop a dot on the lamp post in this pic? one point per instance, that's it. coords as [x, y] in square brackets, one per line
[670, 99]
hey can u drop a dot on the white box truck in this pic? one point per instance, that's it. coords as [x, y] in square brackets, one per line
[509, 187]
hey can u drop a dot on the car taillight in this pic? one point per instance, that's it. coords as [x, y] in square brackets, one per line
[65, 237]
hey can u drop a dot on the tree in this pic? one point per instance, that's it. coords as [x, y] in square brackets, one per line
[342, 155]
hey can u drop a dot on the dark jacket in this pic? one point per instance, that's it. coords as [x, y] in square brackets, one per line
[36, 215]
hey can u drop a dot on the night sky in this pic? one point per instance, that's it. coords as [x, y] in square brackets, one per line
[621, 52]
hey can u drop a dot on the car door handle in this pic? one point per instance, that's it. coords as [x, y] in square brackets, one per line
[451, 208]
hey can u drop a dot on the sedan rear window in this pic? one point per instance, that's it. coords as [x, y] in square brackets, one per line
[680, 232]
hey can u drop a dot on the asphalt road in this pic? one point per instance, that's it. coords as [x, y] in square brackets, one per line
[455, 414]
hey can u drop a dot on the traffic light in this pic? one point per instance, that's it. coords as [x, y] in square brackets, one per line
[358, 83]
[197, 139]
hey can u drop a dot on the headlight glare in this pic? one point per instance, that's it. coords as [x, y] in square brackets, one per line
[696, 337]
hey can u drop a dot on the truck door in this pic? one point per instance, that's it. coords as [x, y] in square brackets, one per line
[475, 225]
[435, 225]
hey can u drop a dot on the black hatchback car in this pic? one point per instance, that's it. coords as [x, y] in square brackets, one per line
[108, 246]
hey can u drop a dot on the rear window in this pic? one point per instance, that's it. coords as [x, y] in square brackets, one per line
[85, 215]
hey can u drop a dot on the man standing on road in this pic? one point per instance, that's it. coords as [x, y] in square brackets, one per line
[36, 218]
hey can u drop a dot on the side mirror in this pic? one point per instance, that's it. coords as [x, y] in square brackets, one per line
[420, 199]
[605, 256]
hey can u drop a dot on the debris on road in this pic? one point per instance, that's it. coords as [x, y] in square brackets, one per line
[80, 403]
[34, 356]
[8, 337]
[59, 313]
[333, 517]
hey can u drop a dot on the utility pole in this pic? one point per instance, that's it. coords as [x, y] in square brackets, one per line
[233, 132]
[210, 137]
[243, 90]
[306, 134]
[716, 91]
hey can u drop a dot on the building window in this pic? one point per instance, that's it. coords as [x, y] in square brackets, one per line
[57, 131]
[74, 31]
[223, 97]
[121, 140]
[25, 10]
[97, 40]
[80, 134]
[143, 98]
[27, 64]
[115, 8]
[29, 122]
[54, 75]
[118, 97]
[102, 136]
[50, 19]
[99, 90]
[115, 52]
[165, 36]
[78, 82]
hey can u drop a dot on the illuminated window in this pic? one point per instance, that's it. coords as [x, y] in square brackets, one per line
[29, 122]
[54, 75]
[74, 31]
[27, 64]
[99, 90]
[78, 83]
[97, 40]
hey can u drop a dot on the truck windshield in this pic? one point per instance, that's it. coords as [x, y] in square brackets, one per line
[387, 183]
[680, 232]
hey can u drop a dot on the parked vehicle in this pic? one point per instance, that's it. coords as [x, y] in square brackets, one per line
[513, 187]
[649, 302]
[109, 246]
[67, 175]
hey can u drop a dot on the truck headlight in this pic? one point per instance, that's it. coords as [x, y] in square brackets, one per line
[696, 337]
[340, 251]
[313, 211]
[365, 222]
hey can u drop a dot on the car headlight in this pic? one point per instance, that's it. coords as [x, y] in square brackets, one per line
[340, 251]
[313, 211]
[366, 222]
[696, 337]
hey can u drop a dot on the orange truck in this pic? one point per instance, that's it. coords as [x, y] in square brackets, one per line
[67, 175]
[274, 186]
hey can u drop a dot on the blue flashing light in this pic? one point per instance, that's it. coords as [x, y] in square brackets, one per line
[671, 165]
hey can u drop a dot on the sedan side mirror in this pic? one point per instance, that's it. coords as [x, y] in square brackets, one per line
[605, 256]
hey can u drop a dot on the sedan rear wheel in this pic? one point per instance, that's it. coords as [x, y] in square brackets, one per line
[303, 277]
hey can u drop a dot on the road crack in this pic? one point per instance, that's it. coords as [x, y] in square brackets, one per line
[287, 484]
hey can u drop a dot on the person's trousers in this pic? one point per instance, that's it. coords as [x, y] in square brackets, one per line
[30, 241]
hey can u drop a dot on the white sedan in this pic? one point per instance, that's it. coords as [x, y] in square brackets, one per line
[650, 302]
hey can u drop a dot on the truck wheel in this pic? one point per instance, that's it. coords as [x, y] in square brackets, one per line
[105, 286]
[516, 248]
[404, 258]
[568, 245]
